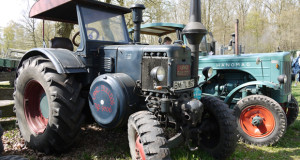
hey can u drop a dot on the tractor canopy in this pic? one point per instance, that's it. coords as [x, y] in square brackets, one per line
[163, 29]
[159, 29]
[65, 10]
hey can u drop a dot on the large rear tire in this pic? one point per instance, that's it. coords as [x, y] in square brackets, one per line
[292, 112]
[146, 137]
[219, 135]
[48, 106]
[261, 120]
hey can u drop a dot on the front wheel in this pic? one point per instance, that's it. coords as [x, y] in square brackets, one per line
[145, 136]
[260, 119]
[219, 135]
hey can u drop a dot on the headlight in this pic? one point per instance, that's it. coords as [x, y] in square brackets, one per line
[207, 72]
[282, 78]
[158, 73]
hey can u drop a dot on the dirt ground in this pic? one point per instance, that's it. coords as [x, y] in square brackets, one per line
[92, 143]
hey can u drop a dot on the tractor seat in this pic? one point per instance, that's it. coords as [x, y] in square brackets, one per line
[60, 42]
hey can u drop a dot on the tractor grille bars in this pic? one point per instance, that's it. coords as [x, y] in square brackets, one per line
[287, 71]
[149, 62]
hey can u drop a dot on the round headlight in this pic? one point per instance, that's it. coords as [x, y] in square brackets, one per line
[207, 72]
[282, 78]
[158, 73]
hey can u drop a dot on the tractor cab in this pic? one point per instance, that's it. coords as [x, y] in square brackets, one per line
[99, 23]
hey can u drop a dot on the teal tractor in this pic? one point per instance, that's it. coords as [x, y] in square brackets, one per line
[256, 86]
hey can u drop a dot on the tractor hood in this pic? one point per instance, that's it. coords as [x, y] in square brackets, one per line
[262, 66]
[280, 56]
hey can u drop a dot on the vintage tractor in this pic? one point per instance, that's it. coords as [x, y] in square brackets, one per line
[256, 86]
[8, 65]
[149, 87]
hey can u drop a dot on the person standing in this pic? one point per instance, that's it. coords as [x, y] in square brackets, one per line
[296, 67]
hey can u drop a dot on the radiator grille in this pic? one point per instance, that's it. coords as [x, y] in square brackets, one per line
[107, 64]
[148, 64]
[287, 71]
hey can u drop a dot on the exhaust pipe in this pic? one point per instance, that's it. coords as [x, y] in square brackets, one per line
[237, 51]
[137, 18]
[194, 32]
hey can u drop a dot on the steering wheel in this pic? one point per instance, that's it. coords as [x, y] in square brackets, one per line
[91, 33]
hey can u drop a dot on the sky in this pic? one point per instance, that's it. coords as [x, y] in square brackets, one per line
[12, 10]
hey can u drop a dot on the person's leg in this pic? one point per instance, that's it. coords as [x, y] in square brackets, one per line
[297, 78]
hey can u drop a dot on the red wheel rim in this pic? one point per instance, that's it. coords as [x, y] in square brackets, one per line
[264, 129]
[35, 102]
[139, 149]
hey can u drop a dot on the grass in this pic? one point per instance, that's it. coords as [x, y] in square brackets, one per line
[287, 148]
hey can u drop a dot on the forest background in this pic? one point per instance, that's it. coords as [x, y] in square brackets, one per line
[265, 25]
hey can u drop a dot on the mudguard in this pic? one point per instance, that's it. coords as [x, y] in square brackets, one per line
[65, 61]
[268, 84]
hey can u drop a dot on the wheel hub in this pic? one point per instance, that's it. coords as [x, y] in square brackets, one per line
[257, 121]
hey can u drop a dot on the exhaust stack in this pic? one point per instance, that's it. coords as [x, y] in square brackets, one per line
[236, 45]
[137, 17]
[194, 32]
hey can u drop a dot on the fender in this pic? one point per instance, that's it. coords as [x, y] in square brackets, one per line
[268, 84]
[65, 61]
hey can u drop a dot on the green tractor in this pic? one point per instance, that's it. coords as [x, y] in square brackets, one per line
[256, 86]
[148, 87]
[8, 64]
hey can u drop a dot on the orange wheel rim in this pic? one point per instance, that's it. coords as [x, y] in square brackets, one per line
[139, 149]
[266, 125]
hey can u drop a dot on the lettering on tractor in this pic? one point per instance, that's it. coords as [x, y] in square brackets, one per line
[110, 95]
[233, 65]
[146, 87]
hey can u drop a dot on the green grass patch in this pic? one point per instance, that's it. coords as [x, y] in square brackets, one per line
[6, 86]
[288, 147]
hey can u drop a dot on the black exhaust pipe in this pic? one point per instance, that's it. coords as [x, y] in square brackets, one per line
[194, 32]
[137, 18]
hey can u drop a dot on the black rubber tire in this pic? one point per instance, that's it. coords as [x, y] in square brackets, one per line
[221, 141]
[292, 112]
[145, 125]
[272, 106]
[64, 101]
[13, 157]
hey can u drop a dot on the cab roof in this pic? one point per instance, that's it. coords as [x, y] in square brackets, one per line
[159, 29]
[65, 10]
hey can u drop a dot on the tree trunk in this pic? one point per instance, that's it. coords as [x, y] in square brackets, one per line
[64, 29]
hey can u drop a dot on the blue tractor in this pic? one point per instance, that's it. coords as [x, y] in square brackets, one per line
[147, 87]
